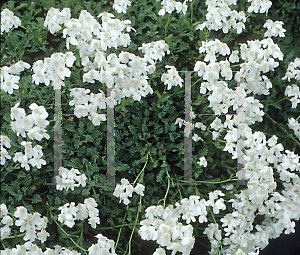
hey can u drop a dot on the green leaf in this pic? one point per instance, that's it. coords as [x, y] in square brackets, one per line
[36, 198]
[21, 175]
[85, 192]
[160, 174]
[57, 201]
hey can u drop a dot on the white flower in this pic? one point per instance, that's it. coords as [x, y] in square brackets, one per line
[42, 236]
[179, 121]
[200, 125]
[118, 190]
[4, 154]
[24, 163]
[202, 162]
[139, 189]
[81, 179]
[37, 161]
[196, 138]
[3, 210]
[150, 212]
[147, 233]
[9, 85]
[159, 251]
[93, 221]
[30, 235]
[123, 197]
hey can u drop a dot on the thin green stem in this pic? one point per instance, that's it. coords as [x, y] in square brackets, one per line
[137, 216]
[167, 190]
[199, 98]
[165, 197]
[166, 27]
[16, 236]
[282, 128]
[212, 214]
[203, 243]
[118, 226]
[177, 185]
[191, 27]
[249, 15]
[279, 100]
[142, 169]
[81, 234]
[120, 230]
[228, 180]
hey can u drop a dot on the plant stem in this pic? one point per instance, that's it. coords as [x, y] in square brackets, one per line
[120, 230]
[191, 27]
[167, 188]
[166, 27]
[282, 128]
[142, 169]
[118, 226]
[137, 216]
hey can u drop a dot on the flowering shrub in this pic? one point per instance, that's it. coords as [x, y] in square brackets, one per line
[98, 66]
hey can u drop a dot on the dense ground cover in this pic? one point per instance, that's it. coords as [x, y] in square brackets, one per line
[149, 144]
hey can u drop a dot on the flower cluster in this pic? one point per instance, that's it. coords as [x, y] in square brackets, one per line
[27, 222]
[260, 186]
[171, 78]
[32, 223]
[83, 108]
[189, 127]
[53, 69]
[261, 6]
[8, 81]
[8, 20]
[66, 179]
[256, 59]
[220, 16]
[121, 5]
[238, 234]
[274, 28]
[33, 156]
[55, 18]
[259, 57]
[5, 141]
[69, 213]
[129, 80]
[295, 126]
[103, 246]
[200, 125]
[125, 185]
[211, 48]
[32, 248]
[24, 124]
[163, 226]
[293, 73]
[169, 6]
[154, 51]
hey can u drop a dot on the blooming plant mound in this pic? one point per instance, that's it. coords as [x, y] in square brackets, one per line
[82, 212]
